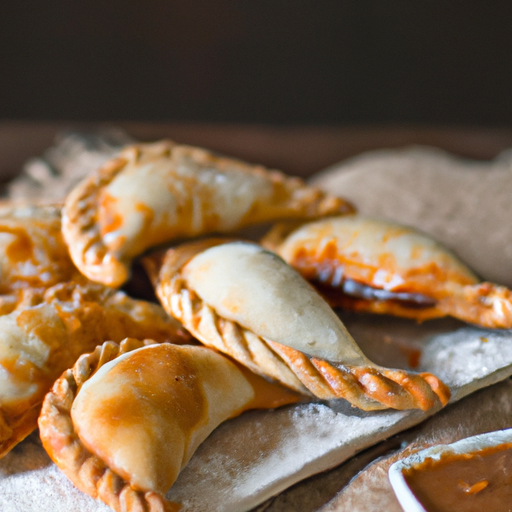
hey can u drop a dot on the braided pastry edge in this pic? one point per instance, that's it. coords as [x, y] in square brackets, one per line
[367, 387]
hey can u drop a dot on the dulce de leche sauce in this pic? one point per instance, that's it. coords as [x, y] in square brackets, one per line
[477, 481]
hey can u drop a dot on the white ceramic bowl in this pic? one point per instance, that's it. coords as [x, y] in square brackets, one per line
[468, 445]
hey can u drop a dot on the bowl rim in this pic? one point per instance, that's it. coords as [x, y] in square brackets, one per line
[405, 496]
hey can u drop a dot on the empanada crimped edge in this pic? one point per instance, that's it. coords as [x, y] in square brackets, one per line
[88, 472]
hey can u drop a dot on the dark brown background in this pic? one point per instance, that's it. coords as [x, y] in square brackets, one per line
[269, 61]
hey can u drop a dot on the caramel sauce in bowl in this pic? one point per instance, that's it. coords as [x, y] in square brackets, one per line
[473, 474]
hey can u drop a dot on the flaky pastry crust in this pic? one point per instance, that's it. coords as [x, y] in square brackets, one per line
[33, 253]
[47, 336]
[364, 384]
[371, 265]
[154, 193]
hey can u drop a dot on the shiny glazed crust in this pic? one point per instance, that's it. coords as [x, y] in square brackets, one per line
[82, 218]
[84, 469]
[366, 387]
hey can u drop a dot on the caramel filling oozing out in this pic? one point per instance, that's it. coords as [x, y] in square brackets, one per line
[371, 259]
[358, 290]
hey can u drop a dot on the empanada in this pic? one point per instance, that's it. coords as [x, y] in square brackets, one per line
[127, 418]
[33, 253]
[248, 303]
[39, 342]
[372, 265]
[154, 193]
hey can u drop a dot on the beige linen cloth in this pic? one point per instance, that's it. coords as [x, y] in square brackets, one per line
[260, 454]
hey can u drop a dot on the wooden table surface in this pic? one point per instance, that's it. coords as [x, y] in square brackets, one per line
[300, 150]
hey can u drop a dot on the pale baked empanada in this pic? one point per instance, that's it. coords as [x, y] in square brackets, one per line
[248, 303]
[372, 265]
[39, 342]
[126, 419]
[154, 193]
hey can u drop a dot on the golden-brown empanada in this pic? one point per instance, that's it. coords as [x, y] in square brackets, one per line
[248, 303]
[33, 253]
[372, 265]
[39, 342]
[126, 419]
[154, 193]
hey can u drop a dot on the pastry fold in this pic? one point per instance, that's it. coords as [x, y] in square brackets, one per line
[39, 341]
[154, 193]
[377, 266]
[124, 421]
[248, 303]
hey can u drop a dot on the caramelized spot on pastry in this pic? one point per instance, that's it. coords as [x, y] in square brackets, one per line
[112, 220]
[153, 378]
[21, 248]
